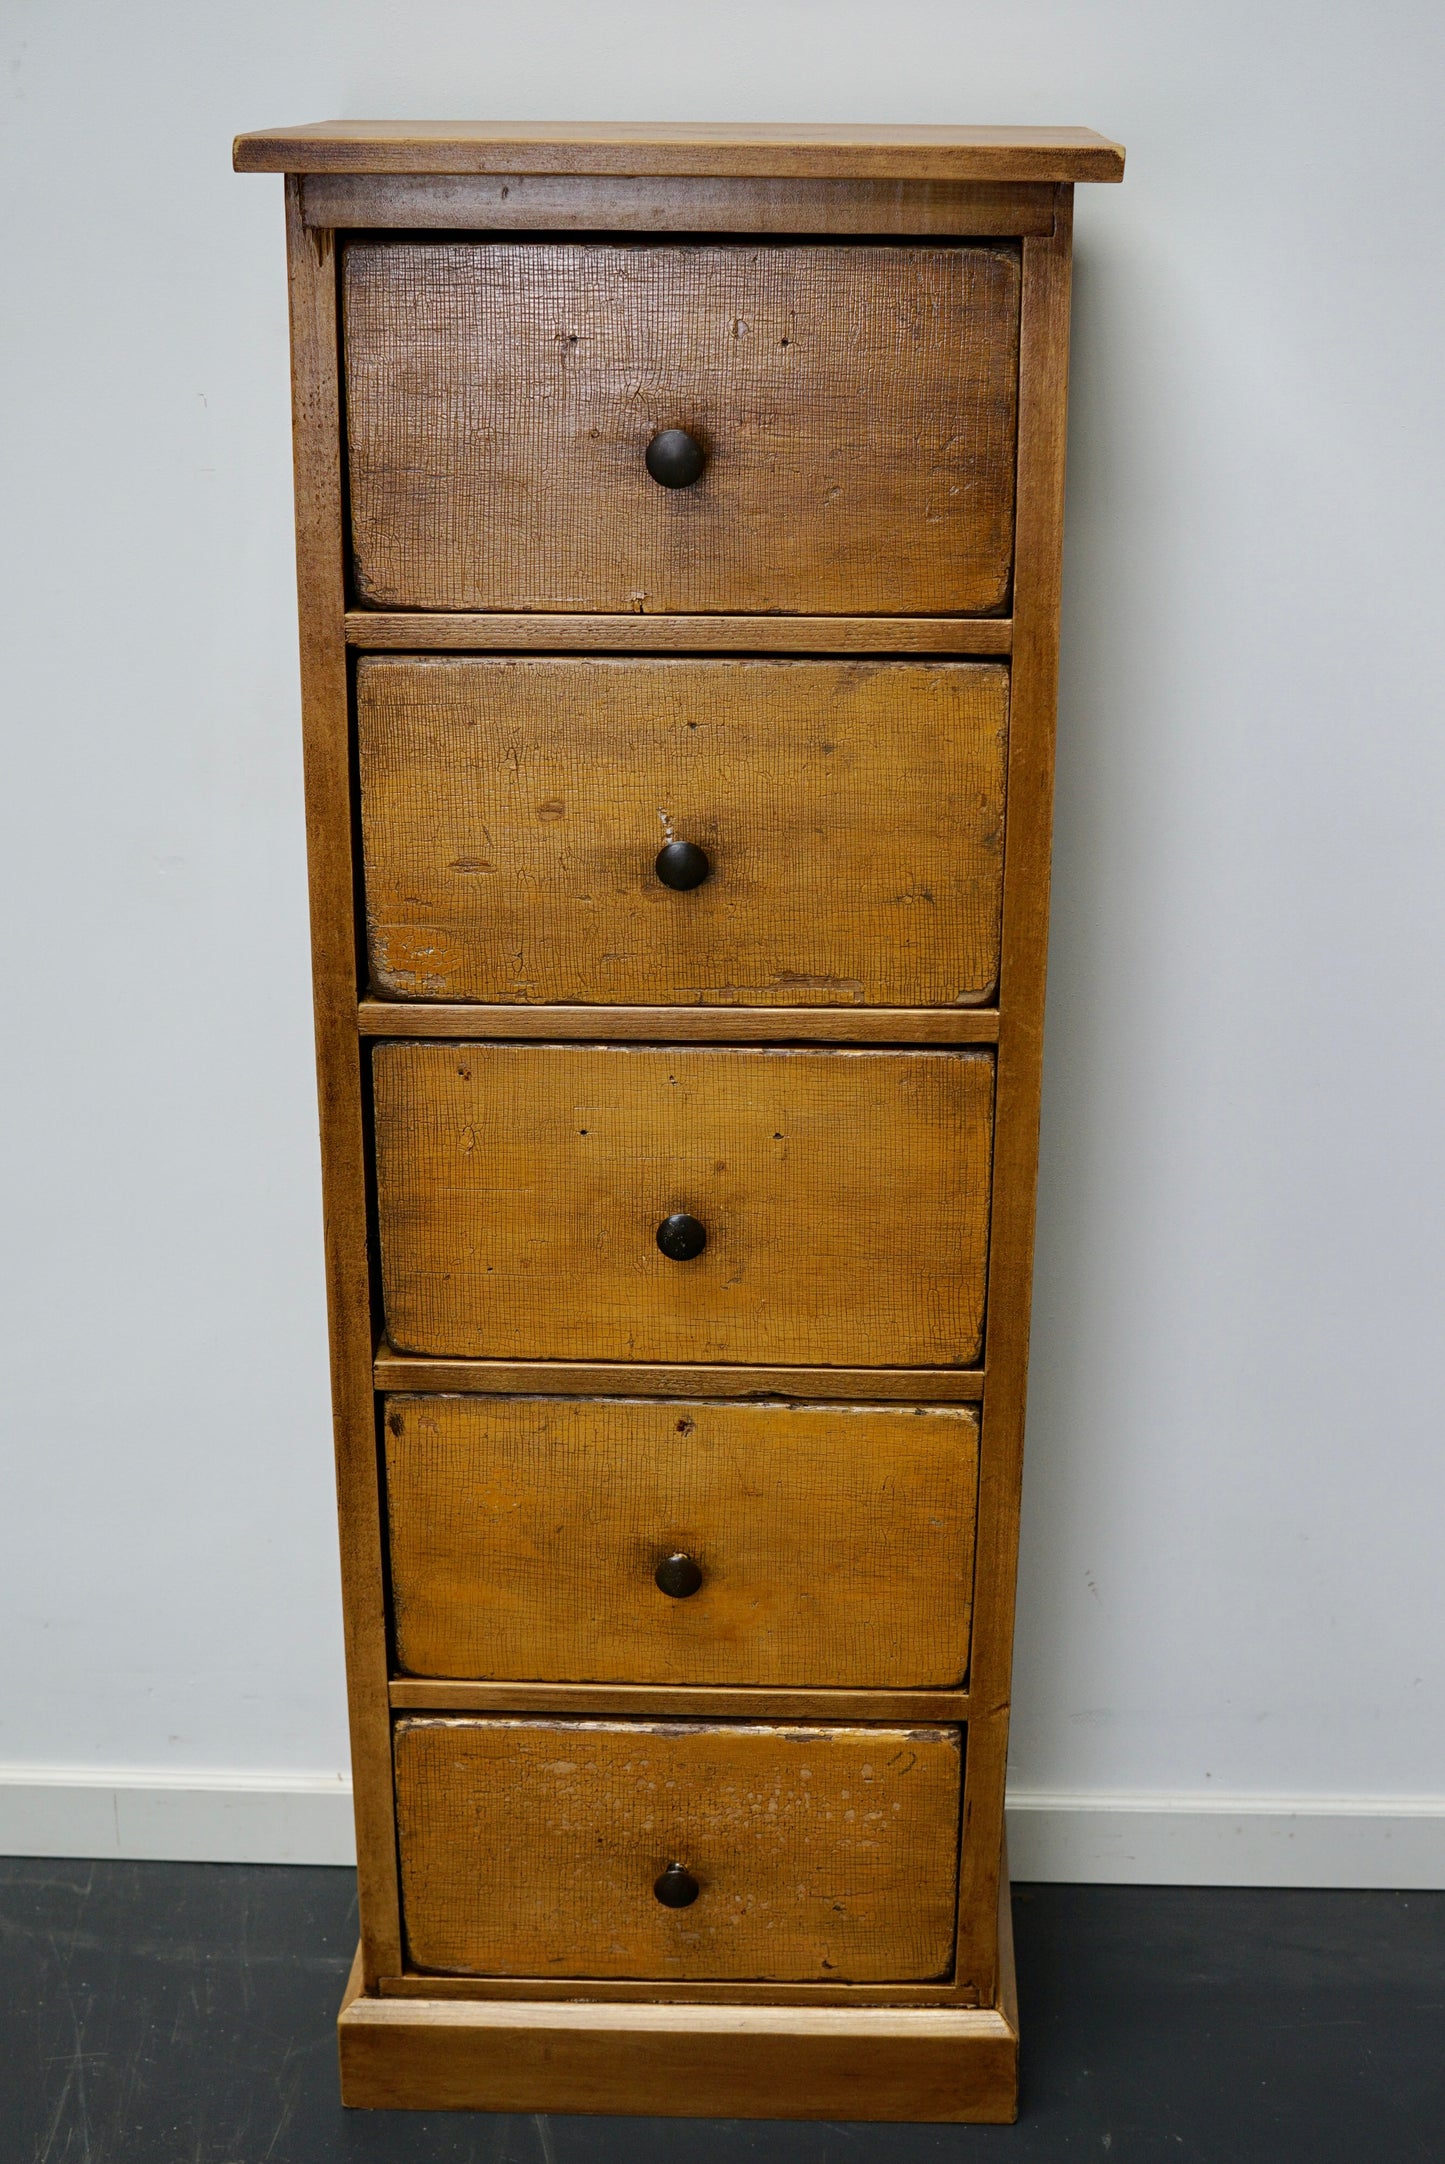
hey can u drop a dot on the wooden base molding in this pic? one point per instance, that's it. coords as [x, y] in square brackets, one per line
[922, 2064]
[426, 1984]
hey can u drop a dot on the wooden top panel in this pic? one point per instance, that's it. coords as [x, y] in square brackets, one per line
[819, 152]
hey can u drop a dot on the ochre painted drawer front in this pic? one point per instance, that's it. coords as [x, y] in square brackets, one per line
[852, 813]
[530, 1848]
[845, 1197]
[858, 407]
[835, 1542]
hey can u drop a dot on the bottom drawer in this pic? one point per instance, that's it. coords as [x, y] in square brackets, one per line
[534, 1847]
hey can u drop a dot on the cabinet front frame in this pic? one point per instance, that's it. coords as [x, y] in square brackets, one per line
[341, 1012]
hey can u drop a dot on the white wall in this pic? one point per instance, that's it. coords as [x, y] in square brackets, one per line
[1236, 1485]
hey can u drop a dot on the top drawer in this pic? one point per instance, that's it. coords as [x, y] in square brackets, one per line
[857, 407]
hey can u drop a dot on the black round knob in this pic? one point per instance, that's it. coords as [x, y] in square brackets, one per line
[681, 866]
[677, 1576]
[675, 459]
[681, 1237]
[676, 1888]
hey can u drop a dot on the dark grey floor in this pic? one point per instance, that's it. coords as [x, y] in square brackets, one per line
[182, 2014]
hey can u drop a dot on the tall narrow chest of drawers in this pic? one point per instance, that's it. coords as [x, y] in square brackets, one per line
[679, 540]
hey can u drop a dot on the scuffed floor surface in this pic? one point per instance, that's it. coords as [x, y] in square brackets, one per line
[182, 2014]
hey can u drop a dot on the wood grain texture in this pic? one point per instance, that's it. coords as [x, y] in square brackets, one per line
[852, 811]
[417, 631]
[835, 1542]
[530, 1848]
[681, 1025]
[825, 150]
[766, 2062]
[433, 1694]
[543, 202]
[315, 371]
[1043, 395]
[857, 405]
[520, 1188]
[631, 1378]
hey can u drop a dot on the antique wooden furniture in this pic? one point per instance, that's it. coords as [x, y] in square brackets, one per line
[679, 540]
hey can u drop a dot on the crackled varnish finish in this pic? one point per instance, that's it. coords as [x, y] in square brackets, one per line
[679, 1588]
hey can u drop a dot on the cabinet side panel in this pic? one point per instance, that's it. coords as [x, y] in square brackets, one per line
[315, 381]
[1043, 417]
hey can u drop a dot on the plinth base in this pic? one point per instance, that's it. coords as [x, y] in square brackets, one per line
[692, 2062]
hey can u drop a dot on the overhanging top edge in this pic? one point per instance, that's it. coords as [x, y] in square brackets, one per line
[682, 149]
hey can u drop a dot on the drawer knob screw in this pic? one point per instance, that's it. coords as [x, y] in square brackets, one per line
[681, 1237]
[676, 1888]
[682, 866]
[677, 1576]
[675, 459]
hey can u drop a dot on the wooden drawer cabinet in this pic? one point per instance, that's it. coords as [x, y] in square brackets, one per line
[500, 399]
[851, 815]
[842, 1197]
[681, 1541]
[816, 1853]
[679, 548]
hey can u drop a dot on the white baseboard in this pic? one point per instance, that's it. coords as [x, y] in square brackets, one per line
[156, 1815]
[1207, 1840]
[159, 1816]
